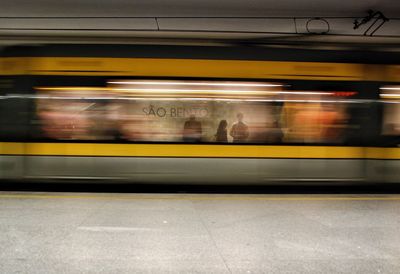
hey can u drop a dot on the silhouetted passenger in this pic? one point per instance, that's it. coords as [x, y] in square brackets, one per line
[222, 132]
[239, 131]
[192, 130]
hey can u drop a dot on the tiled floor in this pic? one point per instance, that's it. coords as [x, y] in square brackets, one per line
[198, 233]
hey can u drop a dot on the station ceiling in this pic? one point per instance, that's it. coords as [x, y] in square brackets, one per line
[355, 8]
[260, 21]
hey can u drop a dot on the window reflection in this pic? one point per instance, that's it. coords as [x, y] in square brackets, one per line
[193, 112]
[315, 122]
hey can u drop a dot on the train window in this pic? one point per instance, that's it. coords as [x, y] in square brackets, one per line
[390, 96]
[194, 111]
[74, 114]
[316, 122]
[194, 120]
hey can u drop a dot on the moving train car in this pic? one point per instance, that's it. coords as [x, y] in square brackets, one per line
[199, 114]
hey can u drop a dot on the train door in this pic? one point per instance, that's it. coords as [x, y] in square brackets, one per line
[14, 124]
[13, 131]
[62, 126]
[390, 131]
[321, 136]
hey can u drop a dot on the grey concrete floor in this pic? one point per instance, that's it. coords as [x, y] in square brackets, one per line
[198, 233]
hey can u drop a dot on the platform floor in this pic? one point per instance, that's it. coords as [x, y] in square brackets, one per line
[198, 233]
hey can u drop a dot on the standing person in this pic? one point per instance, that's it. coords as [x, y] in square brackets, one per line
[222, 132]
[192, 130]
[239, 130]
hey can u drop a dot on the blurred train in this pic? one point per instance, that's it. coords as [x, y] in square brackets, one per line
[199, 114]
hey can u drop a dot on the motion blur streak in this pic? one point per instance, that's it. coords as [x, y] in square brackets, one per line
[115, 113]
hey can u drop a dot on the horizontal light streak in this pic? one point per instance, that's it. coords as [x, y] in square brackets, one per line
[391, 88]
[391, 95]
[133, 98]
[72, 88]
[210, 91]
[229, 84]
[190, 99]
[182, 91]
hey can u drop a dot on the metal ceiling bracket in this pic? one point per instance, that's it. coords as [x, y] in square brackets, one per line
[378, 16]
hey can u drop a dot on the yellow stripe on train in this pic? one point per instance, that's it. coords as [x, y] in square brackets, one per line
[202, 150]
[153, 67]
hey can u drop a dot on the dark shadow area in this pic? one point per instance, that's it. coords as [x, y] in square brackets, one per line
[198, 189]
